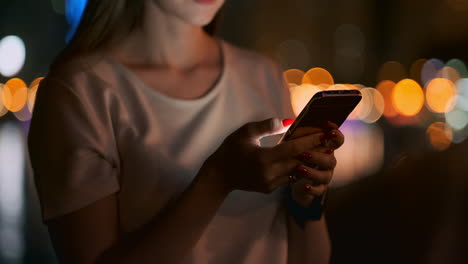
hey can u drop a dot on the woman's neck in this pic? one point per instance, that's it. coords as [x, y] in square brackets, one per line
[164, 41]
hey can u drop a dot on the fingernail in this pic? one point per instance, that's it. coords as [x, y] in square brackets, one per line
[330, 151]
[307, 188]
[302, 171]
[288, 122]
[305, 156]
[333, 134]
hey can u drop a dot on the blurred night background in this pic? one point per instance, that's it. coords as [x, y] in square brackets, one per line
[400, 191]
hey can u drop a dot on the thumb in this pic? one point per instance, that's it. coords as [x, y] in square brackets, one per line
[271, 126]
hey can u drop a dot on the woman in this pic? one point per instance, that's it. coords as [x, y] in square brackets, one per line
[145, 145]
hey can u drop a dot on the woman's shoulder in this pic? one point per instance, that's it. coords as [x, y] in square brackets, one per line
[249, 59]
[84, 71]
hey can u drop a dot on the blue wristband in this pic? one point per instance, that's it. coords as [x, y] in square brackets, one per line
[302, 214]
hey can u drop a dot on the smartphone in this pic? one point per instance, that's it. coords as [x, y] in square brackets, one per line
[324, 106]
[334, 106]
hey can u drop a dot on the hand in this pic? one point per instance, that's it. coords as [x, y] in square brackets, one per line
[240, 163]
[316, 171]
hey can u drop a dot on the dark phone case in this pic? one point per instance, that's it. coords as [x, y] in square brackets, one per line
[334, 106]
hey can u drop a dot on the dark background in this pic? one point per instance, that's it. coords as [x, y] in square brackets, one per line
[413, 211]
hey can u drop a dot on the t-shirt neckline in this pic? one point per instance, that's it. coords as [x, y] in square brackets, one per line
[214, 89]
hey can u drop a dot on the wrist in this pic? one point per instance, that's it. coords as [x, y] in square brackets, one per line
[301, 214]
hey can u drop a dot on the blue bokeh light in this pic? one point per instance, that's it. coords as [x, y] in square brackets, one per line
[74, 11]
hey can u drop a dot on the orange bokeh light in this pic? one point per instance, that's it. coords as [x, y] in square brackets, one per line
[294, 76]
[386, 89]
[36, 82]
[318, 76]
[15, 94]
[440, 136]
[439, 94]
[407, 97]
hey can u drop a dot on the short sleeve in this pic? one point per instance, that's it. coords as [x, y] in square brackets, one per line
[72, 147]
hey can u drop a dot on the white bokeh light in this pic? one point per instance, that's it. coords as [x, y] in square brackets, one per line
[11, 192]
[12, 55]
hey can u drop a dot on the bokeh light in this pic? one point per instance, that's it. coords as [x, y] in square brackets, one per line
[301, 95]
[439, 135]
[32, 91]
[457, 117]
[74, 11]
[439, 93]
[375, 105]
[294, 76]
[361, 154]
[12, 184]
[15, 94]
[386, 89]
[318, 76]
[416, 70]
[460, 66]
[393, 71]
[408, 97]
[449, 73]
[462, 91]
[430, 70]
[3, 109]
[12, 55]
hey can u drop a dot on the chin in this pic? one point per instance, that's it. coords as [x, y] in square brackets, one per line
[191, 11]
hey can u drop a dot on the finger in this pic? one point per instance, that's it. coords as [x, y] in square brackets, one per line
[304, 131]
[322, 160]
[282, 171]
[333, 139]
[294, 147]
[315, 176]
[314, 191]
[267, 127]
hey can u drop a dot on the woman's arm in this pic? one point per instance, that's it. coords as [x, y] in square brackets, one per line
[309, 245]
[91, 235]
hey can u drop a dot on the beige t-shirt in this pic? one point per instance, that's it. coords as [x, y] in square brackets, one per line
[97, 129]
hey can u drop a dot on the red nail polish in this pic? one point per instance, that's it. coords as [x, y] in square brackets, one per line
[330, 151]
[302, 171]
[288, 122]
[333, 134]
[307, 188]
[305, 156]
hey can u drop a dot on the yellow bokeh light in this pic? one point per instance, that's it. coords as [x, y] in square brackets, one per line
[440, 136]
[407, 97]
[294, 76]
[439, 94]
[318, 76]
[386, 89]
[300, 96]
[15, 94]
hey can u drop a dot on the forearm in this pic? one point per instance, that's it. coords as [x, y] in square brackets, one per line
[171, 235]
[310, 245]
